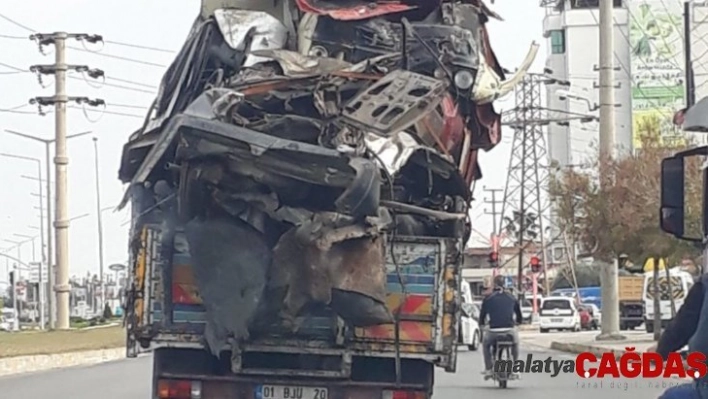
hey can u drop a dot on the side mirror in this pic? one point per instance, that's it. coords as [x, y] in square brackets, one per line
[672, 198]
[672, 218]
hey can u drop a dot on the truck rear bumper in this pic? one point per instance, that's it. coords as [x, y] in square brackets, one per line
[238, 387]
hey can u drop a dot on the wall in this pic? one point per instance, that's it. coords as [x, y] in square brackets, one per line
[573, 144]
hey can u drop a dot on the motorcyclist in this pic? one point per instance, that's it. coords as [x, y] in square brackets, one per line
[501, 307]
[689, 327]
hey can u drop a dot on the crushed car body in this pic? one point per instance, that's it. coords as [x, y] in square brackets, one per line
[290, 142]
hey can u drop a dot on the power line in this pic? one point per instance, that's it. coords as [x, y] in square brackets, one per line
[118, 57]
[13, 37]
[25, 27]
[132, 82]
[12, 21]
[15, 109]
[108, 112]
[112, 85]
[126, 106]
[162, 50]
[20, 70]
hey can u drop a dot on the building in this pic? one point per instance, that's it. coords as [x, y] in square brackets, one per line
[650, 65]
[477, 270]
[572, 29]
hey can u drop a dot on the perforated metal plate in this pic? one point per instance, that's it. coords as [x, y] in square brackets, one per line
[395, 102]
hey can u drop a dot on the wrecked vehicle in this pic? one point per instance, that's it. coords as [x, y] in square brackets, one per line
[300, 192]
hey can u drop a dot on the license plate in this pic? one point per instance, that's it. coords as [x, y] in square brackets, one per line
[290, 392]
[556, 320]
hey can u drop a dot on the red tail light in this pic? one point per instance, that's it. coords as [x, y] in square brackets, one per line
[403, 395]
[179, 389]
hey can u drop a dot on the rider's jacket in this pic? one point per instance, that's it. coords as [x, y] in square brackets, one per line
[699, 340]
[501, 308]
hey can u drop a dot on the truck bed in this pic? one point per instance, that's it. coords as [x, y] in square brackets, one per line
[422, 280]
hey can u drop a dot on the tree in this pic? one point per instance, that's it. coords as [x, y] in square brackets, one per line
[622, 215]
[586, 275]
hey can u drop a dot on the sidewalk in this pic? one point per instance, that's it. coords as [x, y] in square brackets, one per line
[585, 341]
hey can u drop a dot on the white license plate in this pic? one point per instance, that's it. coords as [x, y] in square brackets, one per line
[290, 392]
[556, 320]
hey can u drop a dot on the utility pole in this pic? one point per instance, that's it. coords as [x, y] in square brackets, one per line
[525, 194]
[100, 226]
[61, 160]
[608, 272]
[690, 77]
[493, 202]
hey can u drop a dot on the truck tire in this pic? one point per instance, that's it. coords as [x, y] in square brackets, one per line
[544, 330]
[649, 326]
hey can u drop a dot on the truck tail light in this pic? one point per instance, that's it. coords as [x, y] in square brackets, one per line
[404, 395]
[179, 389]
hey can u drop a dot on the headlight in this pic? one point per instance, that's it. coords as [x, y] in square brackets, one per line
[464, 80]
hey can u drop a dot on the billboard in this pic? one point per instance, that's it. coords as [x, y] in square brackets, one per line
[656, 53]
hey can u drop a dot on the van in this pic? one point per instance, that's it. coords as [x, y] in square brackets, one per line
[559, 313]
[676, 286]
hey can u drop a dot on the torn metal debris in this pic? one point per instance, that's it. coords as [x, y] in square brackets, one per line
[289, 146]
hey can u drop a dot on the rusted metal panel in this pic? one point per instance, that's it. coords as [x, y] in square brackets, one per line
[410, 331]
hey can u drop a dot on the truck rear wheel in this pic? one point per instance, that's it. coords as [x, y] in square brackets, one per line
[649, 326]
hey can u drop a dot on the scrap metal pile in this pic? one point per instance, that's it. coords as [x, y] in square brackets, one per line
[286, 148]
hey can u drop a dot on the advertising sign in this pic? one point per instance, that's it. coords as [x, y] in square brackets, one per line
[658, 83]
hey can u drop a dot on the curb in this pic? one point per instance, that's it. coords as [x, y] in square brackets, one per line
[597, 350]
[29, 364]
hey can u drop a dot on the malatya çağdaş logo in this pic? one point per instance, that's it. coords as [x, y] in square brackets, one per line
[631, 364]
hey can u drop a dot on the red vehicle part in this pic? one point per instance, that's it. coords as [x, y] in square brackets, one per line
[359, 9]
[585, 318]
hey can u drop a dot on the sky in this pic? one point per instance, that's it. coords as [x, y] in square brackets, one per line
[132, 75]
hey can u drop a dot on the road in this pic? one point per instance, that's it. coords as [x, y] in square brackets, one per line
[131, 379]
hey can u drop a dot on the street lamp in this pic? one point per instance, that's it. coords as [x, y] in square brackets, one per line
[50, 254]
[39, 177]
[17, 245]
[100, 224]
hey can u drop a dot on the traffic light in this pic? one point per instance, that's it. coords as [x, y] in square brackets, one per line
[535, 264]
[494, 258]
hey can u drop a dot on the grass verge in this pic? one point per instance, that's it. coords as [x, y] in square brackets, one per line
[45, 343]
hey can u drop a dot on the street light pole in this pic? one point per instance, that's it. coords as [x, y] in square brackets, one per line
[50, 253]
[100, 225]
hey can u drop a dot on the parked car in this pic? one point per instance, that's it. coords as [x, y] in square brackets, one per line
[587, 319]
[559, 313]
[527, 310]
[8, 319]
[596, 314]
[470, 335]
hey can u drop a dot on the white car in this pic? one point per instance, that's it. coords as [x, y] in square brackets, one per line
[470, 335]
[469, 324]
[559, 313]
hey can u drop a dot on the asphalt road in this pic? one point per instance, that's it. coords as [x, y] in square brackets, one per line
[131, 379]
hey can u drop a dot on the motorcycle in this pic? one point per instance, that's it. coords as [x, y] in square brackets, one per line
[503, 359]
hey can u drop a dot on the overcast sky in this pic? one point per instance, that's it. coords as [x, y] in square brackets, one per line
[129, 88]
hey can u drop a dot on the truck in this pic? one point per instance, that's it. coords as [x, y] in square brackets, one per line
[300, 193]
[631, 303]
[671, 289]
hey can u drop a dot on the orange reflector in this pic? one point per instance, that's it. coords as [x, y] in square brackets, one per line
[174, 389]
[403, 395]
